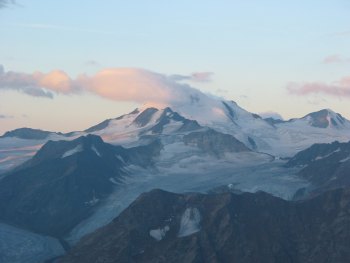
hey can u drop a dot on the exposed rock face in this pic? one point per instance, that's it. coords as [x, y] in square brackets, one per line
[215, 143]
[325, 118]
[64, 182]
[227, 228]
[273, 121]
[169, 116]
[144, 118]
[142, 155]
[326, 166]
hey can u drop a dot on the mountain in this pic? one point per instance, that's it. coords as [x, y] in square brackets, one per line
[207, 145]
[66, 178]
[20, 145]
[215, 143]
[138, 125]
[326, 118]
[295, 135]
[30, 134]
[326, 166]
[165, 227]
[275, 137]
[63, 178]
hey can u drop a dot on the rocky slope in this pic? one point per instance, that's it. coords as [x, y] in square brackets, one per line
[326, 166]
[65, 181]
[214, 143]
[164, 227]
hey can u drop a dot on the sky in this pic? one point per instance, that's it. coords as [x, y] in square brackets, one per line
[67, 65]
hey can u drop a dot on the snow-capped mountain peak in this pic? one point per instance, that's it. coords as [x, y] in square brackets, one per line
[326, 118]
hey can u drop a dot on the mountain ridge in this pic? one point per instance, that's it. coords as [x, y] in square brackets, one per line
[222, 228]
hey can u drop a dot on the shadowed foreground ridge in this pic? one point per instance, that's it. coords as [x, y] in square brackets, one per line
[165, 227]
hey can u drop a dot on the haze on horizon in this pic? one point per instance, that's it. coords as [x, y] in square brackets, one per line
[66, 66]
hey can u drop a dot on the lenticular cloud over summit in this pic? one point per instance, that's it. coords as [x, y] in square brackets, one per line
[120, 84]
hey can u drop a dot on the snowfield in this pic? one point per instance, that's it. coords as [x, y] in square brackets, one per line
[250, 172]
[19, 246]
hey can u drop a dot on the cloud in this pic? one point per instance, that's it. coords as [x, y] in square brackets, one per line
[120, 84]
[5, 116]
[340, 88]
[195, 77]
[138, 85]
[335, 59]
[25, 83]
[6, 3]
[92, 63]
[271, 114]
[342, 34]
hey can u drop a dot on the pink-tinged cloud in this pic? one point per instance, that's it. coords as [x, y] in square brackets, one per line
[56, 80]
[120, 84]
[127, 84]
[339, 88]
[335, 59]
[22, 82]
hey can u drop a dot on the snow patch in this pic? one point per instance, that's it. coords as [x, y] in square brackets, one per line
[159, 233]
[190, 222]
[112, 180]
[120, 158]
[325, 156]
[73, 151]
[345, 159]
[93, 201]
[96, 151]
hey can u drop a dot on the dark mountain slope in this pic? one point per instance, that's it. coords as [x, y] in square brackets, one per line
[165, 227]
[61, 185]
[215, 143]
[326, 166]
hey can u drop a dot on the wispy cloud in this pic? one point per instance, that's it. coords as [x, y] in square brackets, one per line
[40, 26]
[2, 116]
[196, 77]
[6, 3]
[335, 59]
[120, 84]
[342, 33]
[340, 88]
[91, 63]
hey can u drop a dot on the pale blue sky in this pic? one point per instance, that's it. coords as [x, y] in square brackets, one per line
[253, 47]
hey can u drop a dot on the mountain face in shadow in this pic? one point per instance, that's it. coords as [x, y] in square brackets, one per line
[64, 182]
[165, 227]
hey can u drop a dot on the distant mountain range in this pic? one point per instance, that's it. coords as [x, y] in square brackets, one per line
[68, 185]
